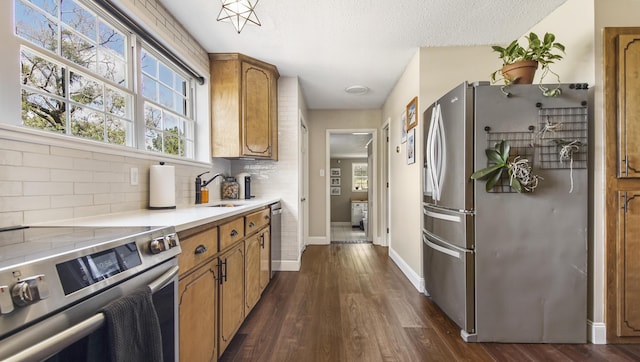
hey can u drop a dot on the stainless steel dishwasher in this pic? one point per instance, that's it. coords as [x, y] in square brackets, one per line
[276, 235]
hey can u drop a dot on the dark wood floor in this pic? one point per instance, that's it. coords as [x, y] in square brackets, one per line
[350, 302]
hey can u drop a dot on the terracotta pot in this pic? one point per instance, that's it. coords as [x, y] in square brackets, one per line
[520, 72]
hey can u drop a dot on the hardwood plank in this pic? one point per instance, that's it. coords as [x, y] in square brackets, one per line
[350, 302]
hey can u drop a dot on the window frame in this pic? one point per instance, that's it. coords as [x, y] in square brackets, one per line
[132, 85]
[354, 177]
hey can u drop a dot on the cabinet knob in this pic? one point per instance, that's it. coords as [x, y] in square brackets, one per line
[234, 233]
[251, 224]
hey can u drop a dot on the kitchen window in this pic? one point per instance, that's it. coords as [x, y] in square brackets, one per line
[79, 71]
[359, 177]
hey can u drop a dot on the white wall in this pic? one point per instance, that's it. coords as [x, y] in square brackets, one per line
[280, 178]
[319, 121]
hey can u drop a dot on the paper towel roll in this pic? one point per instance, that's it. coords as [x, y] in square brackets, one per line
[162, 187]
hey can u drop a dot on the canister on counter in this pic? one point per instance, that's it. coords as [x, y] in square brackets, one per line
[230, 188]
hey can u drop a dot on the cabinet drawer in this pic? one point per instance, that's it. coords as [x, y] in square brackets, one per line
[257, 220]
[231, 232]
[197, 249]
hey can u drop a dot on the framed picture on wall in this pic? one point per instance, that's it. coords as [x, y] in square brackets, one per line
[335, 181]
[335, 171]
[335, 191]
[403, 127]
[412, 113]
[411, 146]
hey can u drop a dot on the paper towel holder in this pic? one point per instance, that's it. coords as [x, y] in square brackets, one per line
[162, 187]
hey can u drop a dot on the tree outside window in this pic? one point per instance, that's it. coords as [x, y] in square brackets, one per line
[359, 177]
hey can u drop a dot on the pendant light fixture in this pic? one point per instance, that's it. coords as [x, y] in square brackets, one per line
[239, 12]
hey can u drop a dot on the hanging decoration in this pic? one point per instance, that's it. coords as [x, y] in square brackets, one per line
[239, 12]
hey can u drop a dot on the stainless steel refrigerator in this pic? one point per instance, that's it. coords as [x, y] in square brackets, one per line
[508, 266]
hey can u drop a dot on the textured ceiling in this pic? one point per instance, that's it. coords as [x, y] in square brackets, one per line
[333, 44]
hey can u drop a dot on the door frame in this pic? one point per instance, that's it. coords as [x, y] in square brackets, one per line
[385, 191]
[372, 214]
[303, 185]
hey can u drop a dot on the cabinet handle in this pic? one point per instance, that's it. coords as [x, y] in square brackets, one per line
[220, 272]
[225, 270]
[262, 240]
[251, 224]
[201, 249]
[234, 233]
[267, 217]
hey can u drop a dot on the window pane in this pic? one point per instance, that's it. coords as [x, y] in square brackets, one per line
[166, 97]
[78, 50]
[153, 140]
[149, 88]
[43, 112]
[117, 102]
[40, 73]
[112, 67]
[117, 131]
[86, 91]
[166, 75]
[34, 26]
[152, 116]
[49, 6]
[78, 19]
[149, 64]
[112, 39]
[87, 123]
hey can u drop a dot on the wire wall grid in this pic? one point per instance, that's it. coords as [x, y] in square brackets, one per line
[522, 146]
[562, 137]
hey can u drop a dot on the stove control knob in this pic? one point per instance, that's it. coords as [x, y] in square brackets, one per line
[6, 305]
[172, 240]
[29, 290]
[157, 246]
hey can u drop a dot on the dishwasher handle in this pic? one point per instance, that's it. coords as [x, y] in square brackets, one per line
[78, 331]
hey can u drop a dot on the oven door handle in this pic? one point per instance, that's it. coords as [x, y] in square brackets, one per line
[62, 340]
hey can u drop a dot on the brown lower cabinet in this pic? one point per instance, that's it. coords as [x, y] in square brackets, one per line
[222, 277]
[197, 298]
[231, 294]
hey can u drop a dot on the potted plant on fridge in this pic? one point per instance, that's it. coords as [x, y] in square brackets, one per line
[521, 178]
[519, 63]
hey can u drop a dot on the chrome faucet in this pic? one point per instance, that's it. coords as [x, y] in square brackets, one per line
[200, 184]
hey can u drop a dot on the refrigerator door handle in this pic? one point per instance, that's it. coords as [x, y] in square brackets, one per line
[440, 216]
[441, 249]
[429, 153]
[442, 151]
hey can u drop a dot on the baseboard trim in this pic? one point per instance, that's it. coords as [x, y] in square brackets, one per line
[597, 332]
[285, 265]
[340, 223]
[318, 240]
[414, 278]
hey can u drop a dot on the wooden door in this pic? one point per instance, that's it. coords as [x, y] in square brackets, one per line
[252, 272]
[256, 111]
[231, 294]
[629, 267]
[622, 178]
[197, 295]
[265, 258]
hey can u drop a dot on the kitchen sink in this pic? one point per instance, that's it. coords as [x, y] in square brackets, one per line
[225, 204]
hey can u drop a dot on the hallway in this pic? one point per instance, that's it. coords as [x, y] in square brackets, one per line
[350, 302]
[344, 233]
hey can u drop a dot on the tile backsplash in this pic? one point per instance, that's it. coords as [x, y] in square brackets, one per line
[45, 183]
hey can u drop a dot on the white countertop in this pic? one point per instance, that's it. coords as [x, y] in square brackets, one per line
[182, 218]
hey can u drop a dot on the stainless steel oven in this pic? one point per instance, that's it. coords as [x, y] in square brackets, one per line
[54, 282]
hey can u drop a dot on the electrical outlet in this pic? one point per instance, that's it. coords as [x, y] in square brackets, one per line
[134, 176]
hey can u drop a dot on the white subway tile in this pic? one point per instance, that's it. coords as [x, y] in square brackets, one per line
[85, 188]
[10, 188]
[35, 216]
[17, 173]
[70, 152]
[71, 175]
[106, 199]
[47, 188]
[110, 177]
[11, 219]
[91, 210]
[23, 146]
[71, 200]
[48, 161]
[10, 157]
[22, 203]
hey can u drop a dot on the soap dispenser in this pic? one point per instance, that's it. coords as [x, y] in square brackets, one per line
[199, 189]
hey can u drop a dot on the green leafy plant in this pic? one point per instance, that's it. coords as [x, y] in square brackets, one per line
[544, 51]
[521, 177]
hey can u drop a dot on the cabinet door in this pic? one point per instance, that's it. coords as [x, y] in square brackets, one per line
[256, 110]
[629, 105]
[231, 294]
[252, 272]
[197, 295]
[265, 258]
[629, 267]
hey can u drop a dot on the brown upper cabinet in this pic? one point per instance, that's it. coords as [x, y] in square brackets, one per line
[629, 122]
[244, 107]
